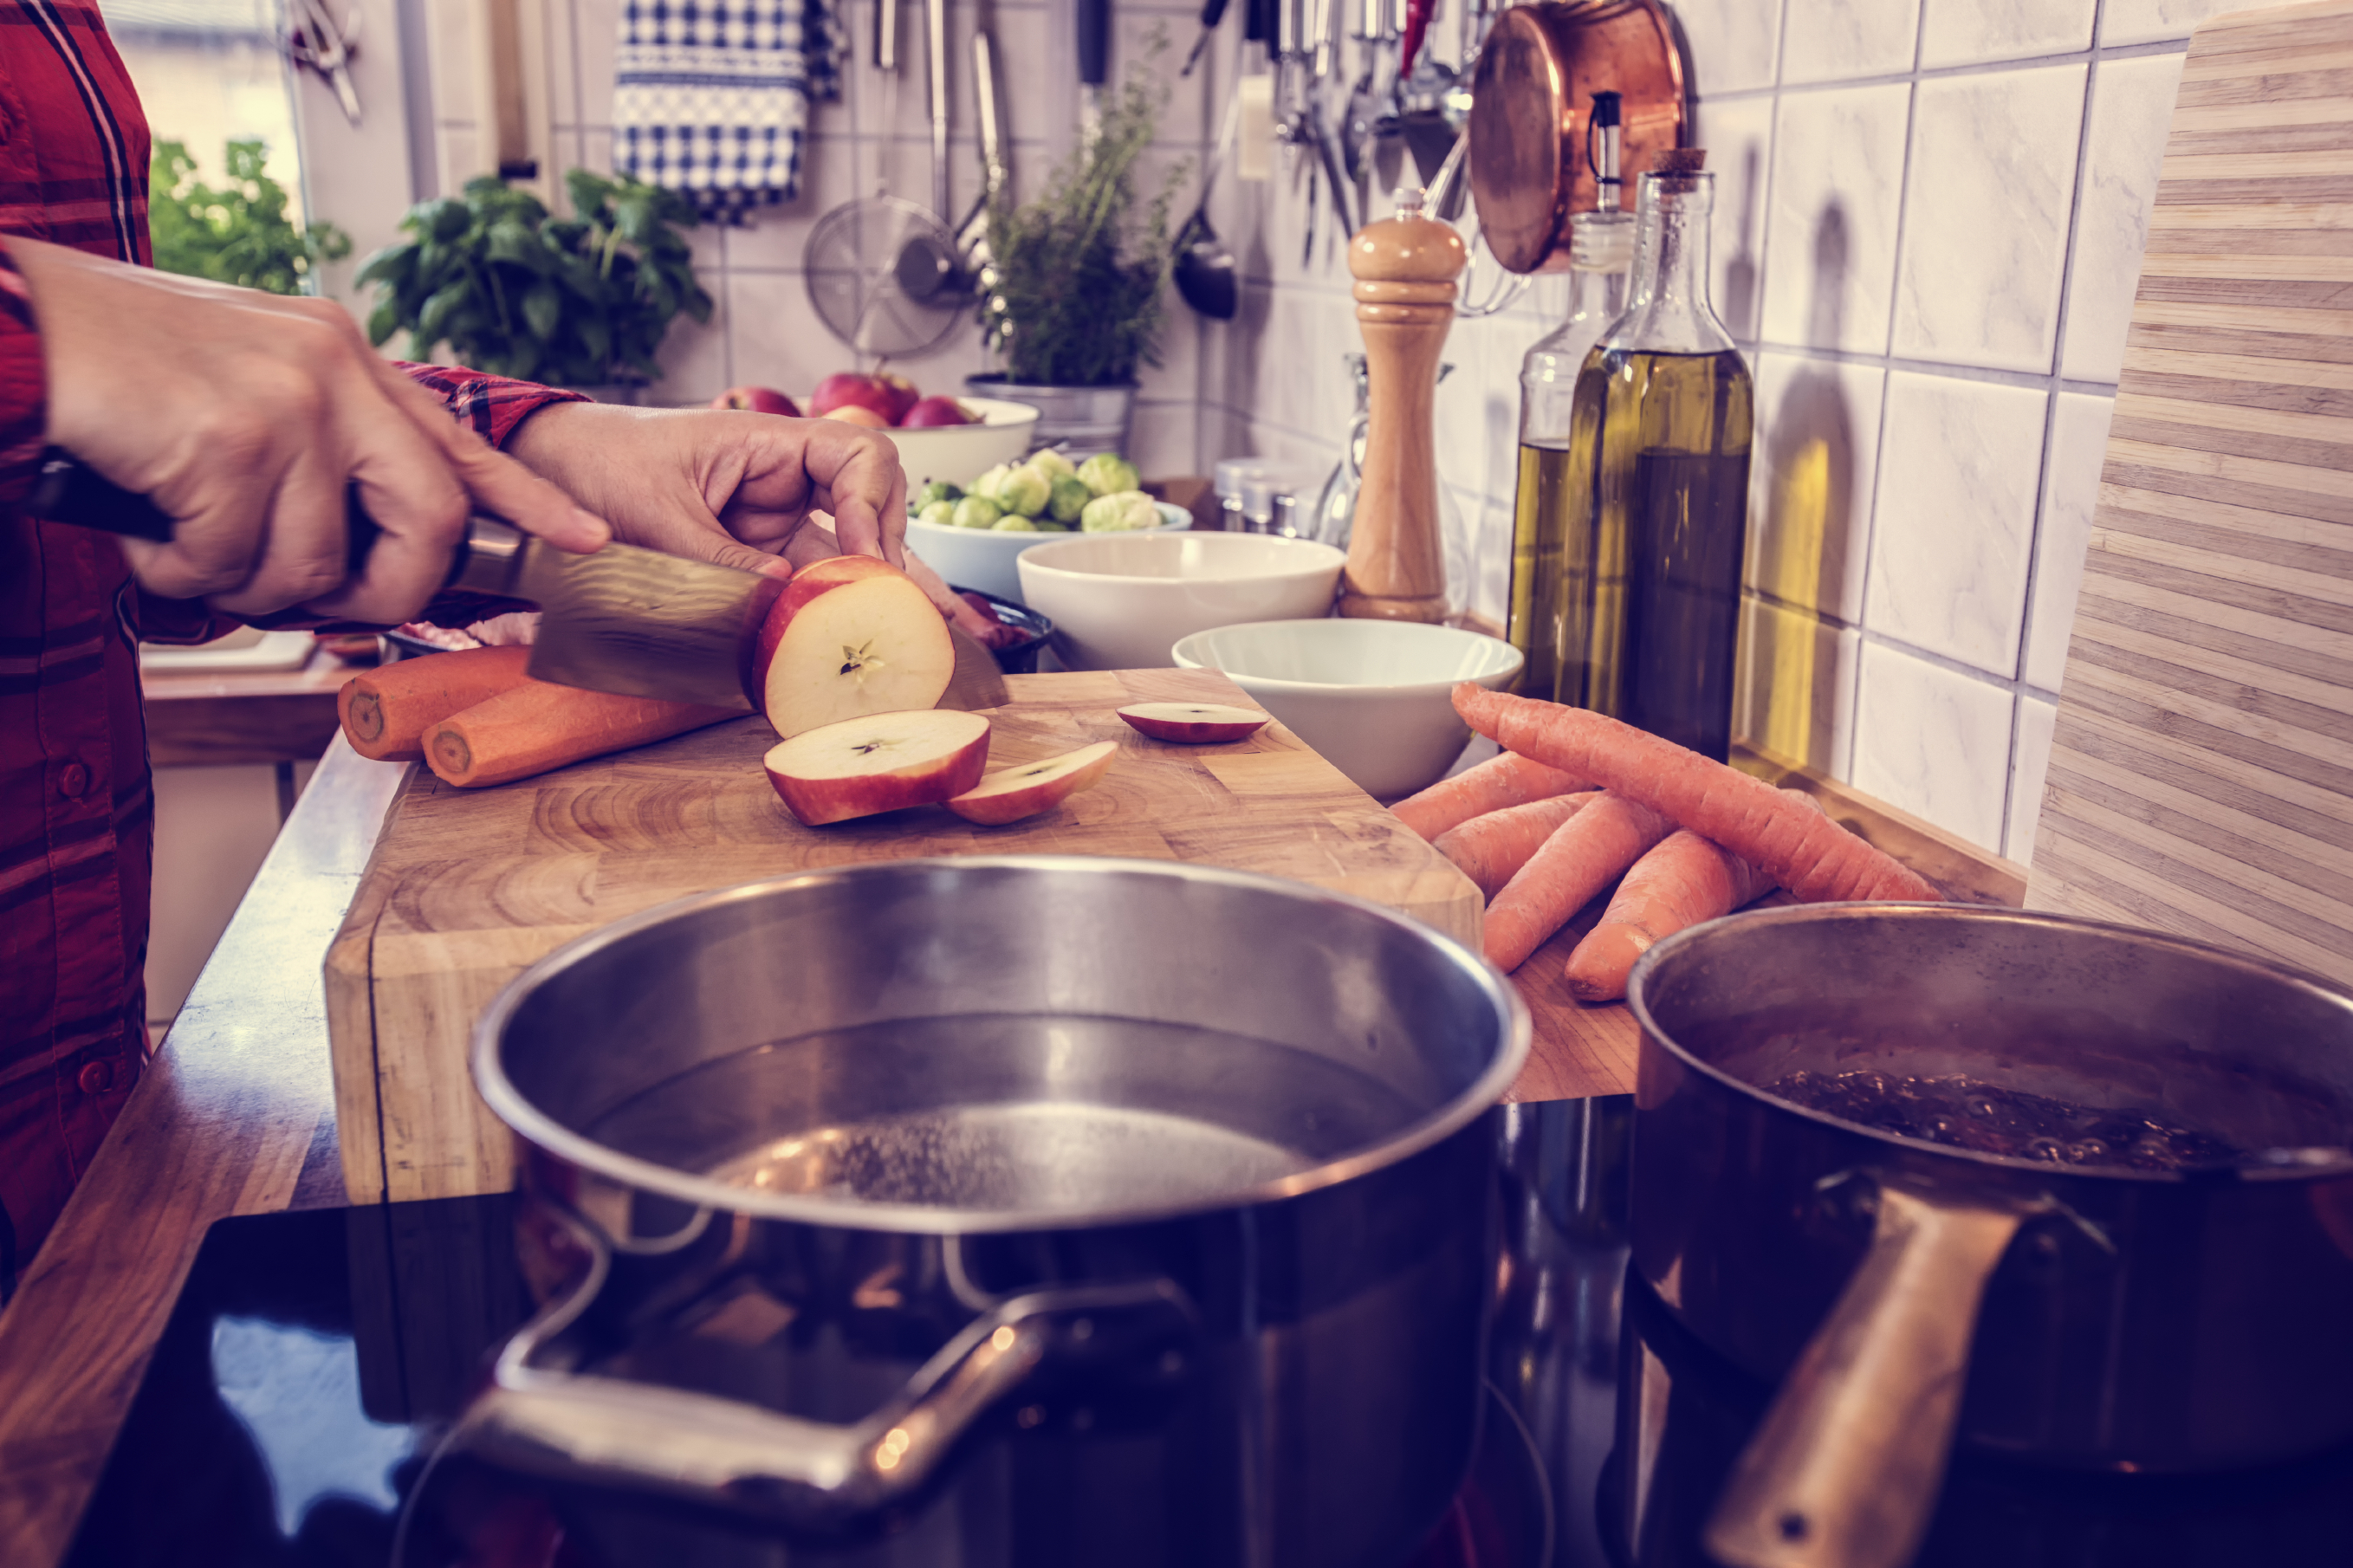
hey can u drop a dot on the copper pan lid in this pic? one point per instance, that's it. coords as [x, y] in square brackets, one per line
[1538, 71]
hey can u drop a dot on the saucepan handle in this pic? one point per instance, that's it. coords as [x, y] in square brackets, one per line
[1846, 1468]
[809, 1475]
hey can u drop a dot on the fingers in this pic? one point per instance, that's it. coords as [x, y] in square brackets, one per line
[494, 482]
[857, 478]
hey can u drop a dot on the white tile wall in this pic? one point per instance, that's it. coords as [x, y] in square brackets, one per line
[1986, 197]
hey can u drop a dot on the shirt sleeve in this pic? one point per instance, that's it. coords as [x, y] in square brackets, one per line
[24, 386]
[489, 406]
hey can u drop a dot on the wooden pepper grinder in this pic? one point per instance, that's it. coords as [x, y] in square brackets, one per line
[1405, 268]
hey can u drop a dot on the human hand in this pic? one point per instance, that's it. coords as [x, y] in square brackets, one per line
[721, 485]
[245, 415]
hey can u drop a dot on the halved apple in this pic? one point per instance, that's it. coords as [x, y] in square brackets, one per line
[848, 636]
[1193, 723]
[1008, 795]
[879, 762]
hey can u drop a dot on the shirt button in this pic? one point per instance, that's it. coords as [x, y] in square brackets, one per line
[96, 1077]
[72, 779]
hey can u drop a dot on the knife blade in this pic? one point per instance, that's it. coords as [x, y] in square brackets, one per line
[626, 620]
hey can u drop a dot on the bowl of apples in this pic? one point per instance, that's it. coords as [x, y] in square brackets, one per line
[938, 438]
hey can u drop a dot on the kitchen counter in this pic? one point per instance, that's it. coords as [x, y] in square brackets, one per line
[236, 1116]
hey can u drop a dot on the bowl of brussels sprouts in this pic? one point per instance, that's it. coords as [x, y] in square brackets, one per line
[971, 533]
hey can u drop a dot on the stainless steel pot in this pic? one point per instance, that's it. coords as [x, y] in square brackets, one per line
[2086, 1315]
[1112, 1212]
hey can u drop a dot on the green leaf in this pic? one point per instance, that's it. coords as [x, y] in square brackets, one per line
[444, 220]
[432, 319]
[383, 319]
[542, 308]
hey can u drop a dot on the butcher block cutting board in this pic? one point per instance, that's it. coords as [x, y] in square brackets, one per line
[469, 887]
[2201, 772]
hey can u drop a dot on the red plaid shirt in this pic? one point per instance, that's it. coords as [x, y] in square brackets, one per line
[77, 811]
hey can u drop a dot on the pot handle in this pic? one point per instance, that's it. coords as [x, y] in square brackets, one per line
[1845, 1471]
[807, 1475]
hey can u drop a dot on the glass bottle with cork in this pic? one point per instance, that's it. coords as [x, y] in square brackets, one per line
[1601, 250]
[1654, 488]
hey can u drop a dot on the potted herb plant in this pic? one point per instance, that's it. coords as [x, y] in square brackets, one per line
[1071, 299]
[580, 301]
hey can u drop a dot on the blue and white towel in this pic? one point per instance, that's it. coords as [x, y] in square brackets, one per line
[710, 97]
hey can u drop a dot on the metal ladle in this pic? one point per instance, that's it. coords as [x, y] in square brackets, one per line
[1204, 267]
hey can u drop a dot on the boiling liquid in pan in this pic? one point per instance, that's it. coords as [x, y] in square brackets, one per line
[1009, 1113]
[1964, 1113]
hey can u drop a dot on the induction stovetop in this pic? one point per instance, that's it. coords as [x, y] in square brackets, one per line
[290, 1414]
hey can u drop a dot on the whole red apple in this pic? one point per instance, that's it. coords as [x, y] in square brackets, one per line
[865, 418]
[933, 411]
[758, 400]
[901, 393]
[848, 389]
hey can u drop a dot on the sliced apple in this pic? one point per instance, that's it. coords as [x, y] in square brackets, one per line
[879, 762]
[849, 636]
[1193, 723]
[1008, 795]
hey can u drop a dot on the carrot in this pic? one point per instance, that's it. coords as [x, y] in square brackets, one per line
[1800, 849]
[385, 713]
[536, 726]
[1491, 848]
[1682, 881]
[1498, 782]
[1584, 855]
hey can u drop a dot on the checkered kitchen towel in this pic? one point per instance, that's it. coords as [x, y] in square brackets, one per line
[710, 97]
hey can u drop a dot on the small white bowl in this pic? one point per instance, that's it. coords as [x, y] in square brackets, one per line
[1119, 601]
[983, 558]
[1373, 696]
[957, 453]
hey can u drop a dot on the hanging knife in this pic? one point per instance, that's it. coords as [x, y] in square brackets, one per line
[622, 619]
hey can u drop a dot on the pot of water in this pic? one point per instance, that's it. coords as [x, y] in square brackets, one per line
[1036, 1210]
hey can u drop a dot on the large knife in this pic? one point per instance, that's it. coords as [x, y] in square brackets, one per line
[626, 620]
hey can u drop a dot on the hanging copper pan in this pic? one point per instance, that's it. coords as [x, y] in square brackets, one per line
[1537, 74]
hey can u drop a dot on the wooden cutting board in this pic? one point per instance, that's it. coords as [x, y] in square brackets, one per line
[469, 887]
[2201, 773]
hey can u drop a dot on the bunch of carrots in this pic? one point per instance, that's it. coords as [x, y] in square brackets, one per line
[475, 718]
[1576, 801]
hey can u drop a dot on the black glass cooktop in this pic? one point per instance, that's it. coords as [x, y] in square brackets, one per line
[289, 1416]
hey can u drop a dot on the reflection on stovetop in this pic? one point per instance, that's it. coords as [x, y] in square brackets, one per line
[293, 1405]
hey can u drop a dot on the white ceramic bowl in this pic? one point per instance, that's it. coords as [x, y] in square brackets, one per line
[982, 558]
[960, 453]
[1373, 696]
[1120, 600]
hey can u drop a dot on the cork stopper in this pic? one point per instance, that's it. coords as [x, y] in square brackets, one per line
[1410, 248]
[1679, 161]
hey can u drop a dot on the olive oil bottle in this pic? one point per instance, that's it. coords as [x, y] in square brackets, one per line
[1650, 492]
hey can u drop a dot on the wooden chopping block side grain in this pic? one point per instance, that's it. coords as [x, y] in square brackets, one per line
[467, 887]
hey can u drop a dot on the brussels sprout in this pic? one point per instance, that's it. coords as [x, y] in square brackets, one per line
[938, 514]
[1108, 474]
[1069, 497]
[1024, 491]
[1045, 527]
[1122, 511]
[1050, 461]
[1013, 522]
[978, 511]
[937, 491]
[985, 487]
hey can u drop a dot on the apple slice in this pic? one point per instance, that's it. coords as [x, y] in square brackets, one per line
[849, 636]
[1008, 795]
[1193, 723]
[879, 761]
